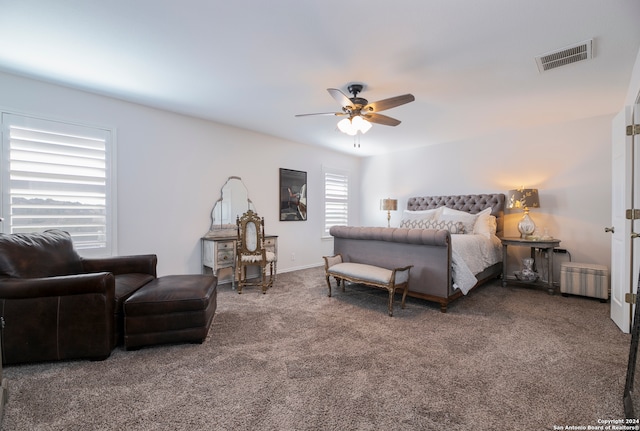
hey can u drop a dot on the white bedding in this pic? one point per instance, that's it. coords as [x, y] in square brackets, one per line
[471, 254]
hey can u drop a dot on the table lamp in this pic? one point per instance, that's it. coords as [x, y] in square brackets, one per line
[388, 205]
[525, 199]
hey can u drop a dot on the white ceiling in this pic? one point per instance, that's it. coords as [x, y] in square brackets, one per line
[255, 64]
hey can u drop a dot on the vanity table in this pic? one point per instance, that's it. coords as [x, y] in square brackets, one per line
[218, 246]
[220, 253]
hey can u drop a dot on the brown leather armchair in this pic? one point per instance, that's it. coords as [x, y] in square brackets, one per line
[56, 305]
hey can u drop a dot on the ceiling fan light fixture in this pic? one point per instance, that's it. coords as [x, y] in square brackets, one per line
[345, 126]
[360, 113]
[360, 124]
[351, 126]
[365, 126]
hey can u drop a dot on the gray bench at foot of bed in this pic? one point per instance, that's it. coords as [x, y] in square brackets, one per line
[390, 279]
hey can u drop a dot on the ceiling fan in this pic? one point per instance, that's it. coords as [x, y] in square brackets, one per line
[359, 112]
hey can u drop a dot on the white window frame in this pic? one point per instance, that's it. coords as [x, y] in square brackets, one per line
[334, 174]
[105, 196]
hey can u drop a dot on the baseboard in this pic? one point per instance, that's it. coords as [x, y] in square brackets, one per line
[298, 268]
[223, 282]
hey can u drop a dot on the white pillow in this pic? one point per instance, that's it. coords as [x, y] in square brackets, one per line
[432, 211]
[471, 222]
[486, 227]
[468, 220]
[417, 219]
[482, 220]
[450, 225]
[418, 223]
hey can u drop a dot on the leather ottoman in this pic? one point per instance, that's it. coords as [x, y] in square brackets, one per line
[170, 309]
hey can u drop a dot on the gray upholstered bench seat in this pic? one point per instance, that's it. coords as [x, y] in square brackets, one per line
[370, 275]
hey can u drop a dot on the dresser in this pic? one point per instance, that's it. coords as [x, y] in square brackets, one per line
[219, 253]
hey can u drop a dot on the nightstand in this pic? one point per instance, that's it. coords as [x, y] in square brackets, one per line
[544, 244]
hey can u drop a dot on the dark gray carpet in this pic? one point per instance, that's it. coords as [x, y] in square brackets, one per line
[501, 359]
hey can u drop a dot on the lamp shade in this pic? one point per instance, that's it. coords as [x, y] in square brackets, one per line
[523, 199]
[388, 204]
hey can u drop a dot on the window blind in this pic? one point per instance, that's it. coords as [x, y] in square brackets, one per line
[336, 200]
[57, 176]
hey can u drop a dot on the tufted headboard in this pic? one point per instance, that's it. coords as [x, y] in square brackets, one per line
[472, 204]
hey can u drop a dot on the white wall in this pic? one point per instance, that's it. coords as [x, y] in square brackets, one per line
[170, 169]
[569, 163]
[634, 86]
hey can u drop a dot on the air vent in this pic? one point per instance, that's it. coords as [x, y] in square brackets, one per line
[564, 56]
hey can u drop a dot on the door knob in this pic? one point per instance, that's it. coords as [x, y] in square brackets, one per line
[610, 229]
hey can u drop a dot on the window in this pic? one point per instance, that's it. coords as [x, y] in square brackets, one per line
[57, 176]
[336, 199]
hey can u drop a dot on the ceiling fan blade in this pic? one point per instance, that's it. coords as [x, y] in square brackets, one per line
[341, 98]
[389, 103]
[381, 119]
[321, 113]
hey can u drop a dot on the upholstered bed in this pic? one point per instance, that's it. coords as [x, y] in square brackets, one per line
[451, 241]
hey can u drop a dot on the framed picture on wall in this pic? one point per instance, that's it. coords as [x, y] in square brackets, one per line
[293, 195]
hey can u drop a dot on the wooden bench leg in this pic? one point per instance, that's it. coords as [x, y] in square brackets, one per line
[338, 282]
[392, 291]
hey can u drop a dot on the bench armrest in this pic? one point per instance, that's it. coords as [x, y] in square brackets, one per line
[329, 261]
[400, 275]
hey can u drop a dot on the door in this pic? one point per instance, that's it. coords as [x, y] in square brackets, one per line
[624, 194]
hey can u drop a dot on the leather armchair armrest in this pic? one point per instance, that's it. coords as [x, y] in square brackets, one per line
[56, 318]
[65, 285]
[142, 264]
